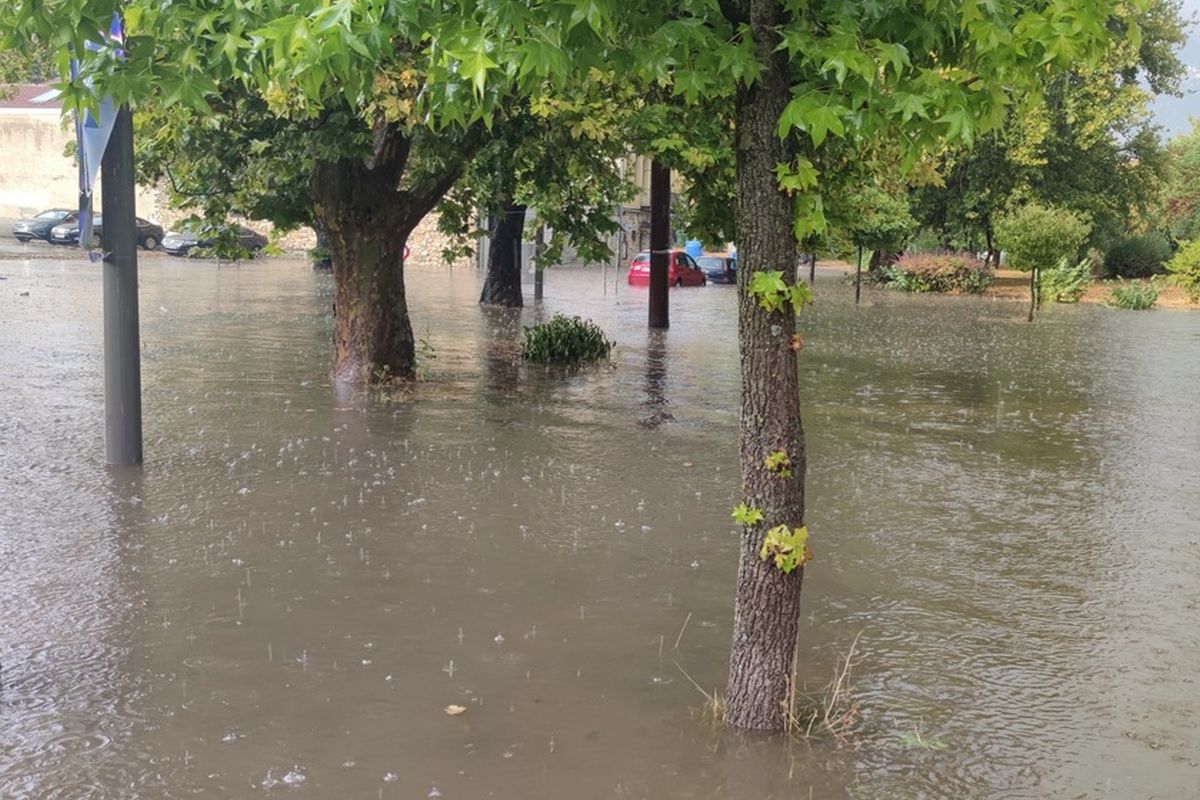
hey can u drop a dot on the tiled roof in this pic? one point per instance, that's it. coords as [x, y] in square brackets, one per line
[32, 96]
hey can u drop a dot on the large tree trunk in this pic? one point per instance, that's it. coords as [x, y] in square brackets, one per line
[367, 222]
[368, 208]
[502, 286]
[768, 601]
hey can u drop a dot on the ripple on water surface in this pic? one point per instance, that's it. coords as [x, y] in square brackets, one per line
[300, 583]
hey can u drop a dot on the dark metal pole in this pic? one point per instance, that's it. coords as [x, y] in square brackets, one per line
[122, 359]
[660, 234]
[812, 269]
[858, 276]
[517, 265]
[538, 277]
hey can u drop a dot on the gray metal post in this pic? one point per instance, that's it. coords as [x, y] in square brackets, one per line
[122, 358]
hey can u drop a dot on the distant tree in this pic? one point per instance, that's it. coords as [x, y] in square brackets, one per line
[1088, 144]
[1181, 191]
[1036, 237]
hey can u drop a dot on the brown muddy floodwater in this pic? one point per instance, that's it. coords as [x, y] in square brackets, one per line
[285, 600]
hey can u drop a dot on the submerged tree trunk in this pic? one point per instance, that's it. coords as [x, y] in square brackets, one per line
[320, 255]
[502, 286]
[368, 210]
[768, 601]
[367, 227]
[1033, 292]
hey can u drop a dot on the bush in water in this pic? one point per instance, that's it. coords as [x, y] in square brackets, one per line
[565, 340]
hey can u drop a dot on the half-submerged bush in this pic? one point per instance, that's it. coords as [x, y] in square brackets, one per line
[1135, 296]
[565, 340]
[1185, 270]
[1137, 257]
[940, 272]
[1065, 283]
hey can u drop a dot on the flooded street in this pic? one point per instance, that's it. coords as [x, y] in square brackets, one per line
[289, 595]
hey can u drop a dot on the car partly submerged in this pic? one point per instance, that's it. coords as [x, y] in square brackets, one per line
[718, 267]
[188, 238]
[681, 270]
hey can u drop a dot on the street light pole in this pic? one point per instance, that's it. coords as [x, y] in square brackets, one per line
[122, 357]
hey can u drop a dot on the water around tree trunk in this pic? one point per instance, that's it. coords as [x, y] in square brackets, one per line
[300, 582]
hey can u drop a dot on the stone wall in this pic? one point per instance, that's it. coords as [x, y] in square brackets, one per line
[36, 174]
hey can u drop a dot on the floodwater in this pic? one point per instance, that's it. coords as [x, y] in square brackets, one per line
[289, 595]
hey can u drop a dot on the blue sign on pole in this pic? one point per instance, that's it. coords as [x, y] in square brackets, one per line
[92, 133]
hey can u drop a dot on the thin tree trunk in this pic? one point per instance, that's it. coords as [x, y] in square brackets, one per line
[502, 286]
[1032, 292]
[858, 276]
[768, 601]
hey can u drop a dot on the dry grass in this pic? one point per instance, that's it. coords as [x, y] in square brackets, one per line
[713, 710]
[834, 711]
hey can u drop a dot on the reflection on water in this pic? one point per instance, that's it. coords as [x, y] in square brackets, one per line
[656, 380]
[301, 580]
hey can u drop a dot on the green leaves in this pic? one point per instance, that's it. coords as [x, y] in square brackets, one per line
[810, 114]
[773, 291]
[474, 61]
[787, 547]
[798, 176]
[745, 515]
[779, 464]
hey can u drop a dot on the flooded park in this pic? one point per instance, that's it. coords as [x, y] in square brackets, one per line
[513, 583]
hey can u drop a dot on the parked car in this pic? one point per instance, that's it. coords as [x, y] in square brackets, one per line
[149, 235]
[183, 241]
[718, 268]
[39, 227]
[681, 270]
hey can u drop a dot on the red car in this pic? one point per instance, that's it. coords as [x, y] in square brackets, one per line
[681, 270]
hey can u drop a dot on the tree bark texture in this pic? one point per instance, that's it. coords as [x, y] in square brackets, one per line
[502, 286]
[367, 211]
[768, 601]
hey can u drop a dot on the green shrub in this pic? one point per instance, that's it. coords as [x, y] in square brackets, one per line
[1185, 270]
[1064, 283]
[565, 340]
[939, 272]
[976, 281]
[1036, 236]
[1135, 296]
[1138, 257]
